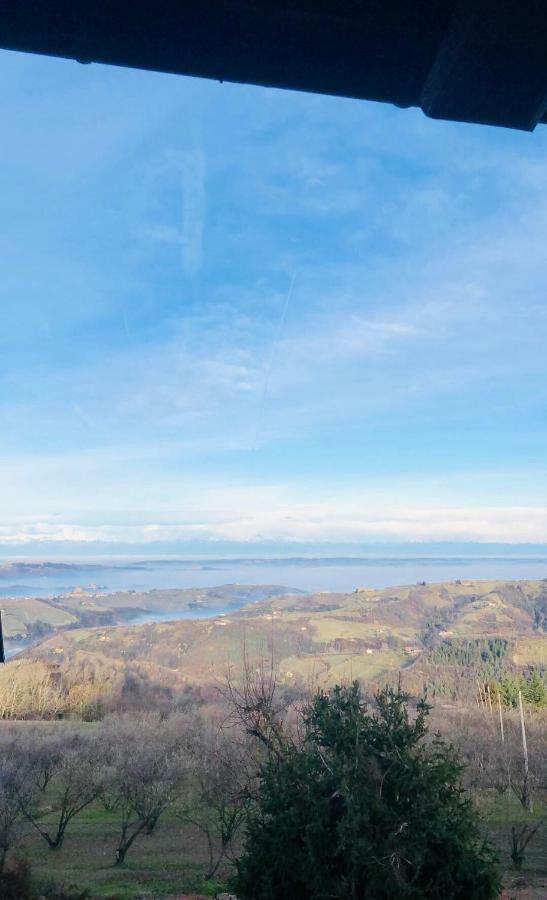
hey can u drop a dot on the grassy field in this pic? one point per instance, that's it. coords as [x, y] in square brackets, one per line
[499, 814]
[172, 860]
[20, 614]
[531, 650]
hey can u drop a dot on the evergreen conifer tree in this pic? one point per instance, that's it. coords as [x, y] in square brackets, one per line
[364, 806]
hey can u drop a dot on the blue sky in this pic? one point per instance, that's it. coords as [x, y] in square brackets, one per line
[237, 314]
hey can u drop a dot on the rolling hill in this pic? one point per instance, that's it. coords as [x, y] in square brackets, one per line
[28, 619]
[326, 637]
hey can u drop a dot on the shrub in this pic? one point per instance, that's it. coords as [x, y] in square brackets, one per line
[363, 806]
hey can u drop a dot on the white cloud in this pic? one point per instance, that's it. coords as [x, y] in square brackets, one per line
[314, 523]
[418, 305]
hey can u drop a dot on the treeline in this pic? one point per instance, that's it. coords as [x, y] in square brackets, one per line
[532, 687]
[88, 689]
[482, 651]
[462, 669]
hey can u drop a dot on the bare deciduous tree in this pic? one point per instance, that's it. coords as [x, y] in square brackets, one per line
[520, 838]
[146, 770]
[219, 789]
[11, 815]
[70, 763]
[257, 702]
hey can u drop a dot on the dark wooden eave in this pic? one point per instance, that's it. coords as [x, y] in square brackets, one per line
[467, 60]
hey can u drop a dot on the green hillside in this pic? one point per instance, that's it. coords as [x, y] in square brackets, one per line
[28, 618]
[324, 638]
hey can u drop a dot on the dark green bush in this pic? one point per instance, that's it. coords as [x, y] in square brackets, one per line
[364, 807]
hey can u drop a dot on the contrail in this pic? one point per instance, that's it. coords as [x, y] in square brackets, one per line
[193, 210]
[81, 413]
[269, 366]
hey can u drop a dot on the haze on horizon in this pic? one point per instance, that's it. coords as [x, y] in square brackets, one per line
[243, 316]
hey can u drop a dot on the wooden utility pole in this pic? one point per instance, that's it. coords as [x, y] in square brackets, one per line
[526, 784]
[501, 719]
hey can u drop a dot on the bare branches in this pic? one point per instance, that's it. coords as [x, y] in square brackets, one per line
[145, 773]
[520, 838]
[219, 790]
[11, 783]
[256, 701]
[70, 762]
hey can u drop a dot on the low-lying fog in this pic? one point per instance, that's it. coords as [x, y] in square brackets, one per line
[27, 579]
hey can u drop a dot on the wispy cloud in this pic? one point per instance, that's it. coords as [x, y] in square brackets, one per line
[308, 524]
[145, 269]
[184, 174]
